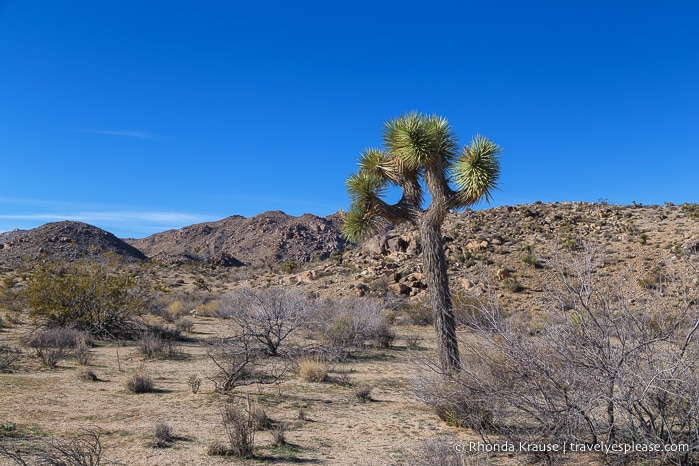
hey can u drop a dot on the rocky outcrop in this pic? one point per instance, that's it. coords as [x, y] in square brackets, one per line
[65, 241]
[268, 238]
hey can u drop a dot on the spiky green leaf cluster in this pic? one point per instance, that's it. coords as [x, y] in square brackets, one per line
[477, 170]
[363, 187]
[418, 147]
[413, 139]
[373, 162]
[359, 223]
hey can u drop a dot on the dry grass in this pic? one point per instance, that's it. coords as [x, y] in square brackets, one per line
[313, 370]
[322, 423]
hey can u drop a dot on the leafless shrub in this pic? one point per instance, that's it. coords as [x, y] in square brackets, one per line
[268, 315]
[217, 448]
[238, 361]
[162, 436]
[50, 357]
[259, 418]
[413, 341]
[140, 382]
[240, 429]
[419, 313]
[83, 354]
[154, 345]
[362, 392]
[194, 383]
[279, 434]
[350, 323]
[82, 450]
[453, 403]
[53, 345]
[614, 362]
[59, 337]
[184, 324]
[164, 331]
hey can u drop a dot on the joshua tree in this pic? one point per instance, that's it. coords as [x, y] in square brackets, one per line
[421, 152]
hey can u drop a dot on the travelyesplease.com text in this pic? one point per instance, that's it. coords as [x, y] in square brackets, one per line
[567, 447]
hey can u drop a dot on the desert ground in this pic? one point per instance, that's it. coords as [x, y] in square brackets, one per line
[327, 423]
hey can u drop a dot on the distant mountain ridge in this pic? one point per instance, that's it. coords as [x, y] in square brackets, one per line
[64, 241]
[268, 237]
[515, 241]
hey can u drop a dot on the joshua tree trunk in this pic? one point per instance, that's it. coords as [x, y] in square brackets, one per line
[435, 267]
[421, 152]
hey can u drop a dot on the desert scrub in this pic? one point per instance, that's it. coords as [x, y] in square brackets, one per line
[419, 313]
[162, 436]
[240, 429]
[140, 382]
[270, 316]
[194, 383]
[9, 356]
[52, 346]
[362, 392]
[313, 369]
[184, 324]
[101, 298]
[153, 345]
[441, 452]
[347, 323]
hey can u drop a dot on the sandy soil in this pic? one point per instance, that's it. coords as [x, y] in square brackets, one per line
[336, 429]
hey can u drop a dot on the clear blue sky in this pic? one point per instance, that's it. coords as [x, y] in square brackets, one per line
[143, 115]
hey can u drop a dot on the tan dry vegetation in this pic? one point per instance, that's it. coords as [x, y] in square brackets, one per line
[336, 427]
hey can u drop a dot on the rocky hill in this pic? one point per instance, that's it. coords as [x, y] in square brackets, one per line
[63, 241]
[505, 251]
[271, 237]
[504, 248]
[8, 235]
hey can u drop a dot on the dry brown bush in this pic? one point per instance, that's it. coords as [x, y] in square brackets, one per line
[313, 369]
[268, 315]
[614, 362]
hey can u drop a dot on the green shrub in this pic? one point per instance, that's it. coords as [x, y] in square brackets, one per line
[529, 259]
[419, 314]
[691, 209]
[95, 297]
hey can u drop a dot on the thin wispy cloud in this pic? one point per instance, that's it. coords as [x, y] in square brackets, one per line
[126, 134]
[120, 222]
[160, 217]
